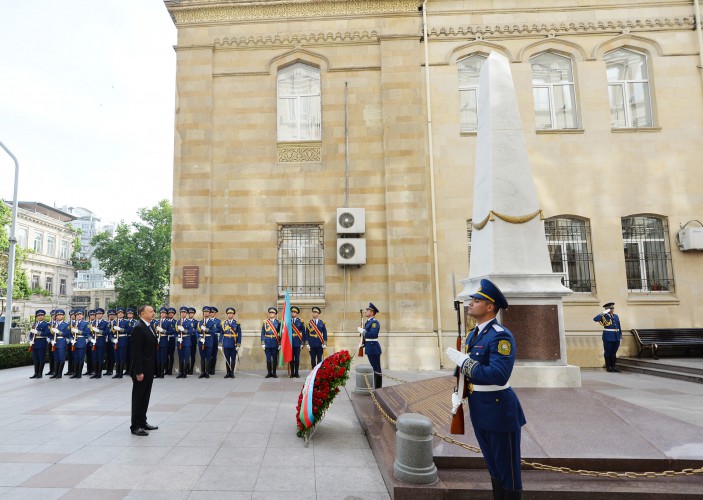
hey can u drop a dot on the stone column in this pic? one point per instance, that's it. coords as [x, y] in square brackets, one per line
[413, 450]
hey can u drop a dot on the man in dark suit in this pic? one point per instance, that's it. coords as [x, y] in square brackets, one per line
[143, 349]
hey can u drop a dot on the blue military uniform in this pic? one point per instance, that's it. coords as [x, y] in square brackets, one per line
[172, 334]
[69, 352]
[231, 339]
[163, 329]
[612, 334]
[299, 333]
[121, 341]
[100, 329]
[205, 341]
[184, 330]
[128, 335]
[38, 338]
[80, 333]
[59, 342]
[109, 343]
[372, 328]
[316, 338]
[496, 413]
[193, 339]
[271, 343]
[90, 369]
[52, 323]
[215, 330]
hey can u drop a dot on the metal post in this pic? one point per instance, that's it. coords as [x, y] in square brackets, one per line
[11, 254]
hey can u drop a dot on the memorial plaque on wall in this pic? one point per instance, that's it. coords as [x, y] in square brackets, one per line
[191, 276]
[536, 330]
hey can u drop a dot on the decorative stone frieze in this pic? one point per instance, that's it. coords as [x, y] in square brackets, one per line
[299, 152]
[295, 39]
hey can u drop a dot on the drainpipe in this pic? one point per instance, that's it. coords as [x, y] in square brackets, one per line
[438, 308]
[700, 36]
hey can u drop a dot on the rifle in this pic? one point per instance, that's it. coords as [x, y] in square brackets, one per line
[457, 426]
[116, 332]
[363, 337]
[34, 335]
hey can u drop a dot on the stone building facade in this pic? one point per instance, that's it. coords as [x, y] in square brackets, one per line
[289, 110]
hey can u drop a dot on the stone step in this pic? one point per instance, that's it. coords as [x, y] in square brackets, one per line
[669, 371]
[661, 364]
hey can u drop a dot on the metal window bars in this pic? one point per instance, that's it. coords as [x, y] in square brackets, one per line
[301, 260]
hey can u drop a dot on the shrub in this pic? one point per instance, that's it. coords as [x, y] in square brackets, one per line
[15, 355]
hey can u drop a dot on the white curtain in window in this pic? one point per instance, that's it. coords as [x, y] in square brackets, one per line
[299, 103]
[554, 92]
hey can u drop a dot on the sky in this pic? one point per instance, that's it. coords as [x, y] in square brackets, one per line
[87, 103]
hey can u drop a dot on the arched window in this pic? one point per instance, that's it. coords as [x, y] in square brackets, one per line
[299, 103]
[628, 89]
[568, 240]
[469, 70]
[554, 93]
[647, 254]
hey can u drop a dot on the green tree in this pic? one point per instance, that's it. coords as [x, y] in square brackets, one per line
[78, 263]
[139, 256]
[21, 289]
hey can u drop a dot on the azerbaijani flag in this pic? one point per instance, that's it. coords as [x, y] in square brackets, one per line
[286, 353]
[306, 415]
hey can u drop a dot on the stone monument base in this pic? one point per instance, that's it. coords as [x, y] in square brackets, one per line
[545, 376]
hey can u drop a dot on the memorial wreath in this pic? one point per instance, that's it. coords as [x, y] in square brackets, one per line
[320, 389]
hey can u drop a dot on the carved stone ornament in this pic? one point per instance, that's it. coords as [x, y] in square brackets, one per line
[299, 153]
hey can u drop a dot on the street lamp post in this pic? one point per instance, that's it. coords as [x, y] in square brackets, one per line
[11, 254]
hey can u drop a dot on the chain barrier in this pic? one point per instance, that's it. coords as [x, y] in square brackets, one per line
[537, 465]
[392, 378]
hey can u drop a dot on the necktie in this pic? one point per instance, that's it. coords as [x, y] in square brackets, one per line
[472, 338]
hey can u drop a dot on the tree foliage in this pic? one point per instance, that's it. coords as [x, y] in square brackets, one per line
[77, 262]
[139, 256]
[21, 288]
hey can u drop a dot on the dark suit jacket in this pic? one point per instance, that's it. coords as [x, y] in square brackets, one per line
[143, 346]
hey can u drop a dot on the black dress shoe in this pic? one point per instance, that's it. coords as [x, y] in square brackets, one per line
[151, 427]
[139, 432]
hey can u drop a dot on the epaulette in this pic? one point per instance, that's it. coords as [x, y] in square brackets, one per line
[498, 328]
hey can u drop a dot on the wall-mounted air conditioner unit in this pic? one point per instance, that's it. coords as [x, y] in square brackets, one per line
[691, 238]
[351, 251]
[351, 220]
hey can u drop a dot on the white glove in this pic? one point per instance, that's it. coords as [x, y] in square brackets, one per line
[456, 402]
[279, 347]
[160, 330]
[53, 342]
[92, 341]
[118, 329]
[181, 329]
[180, 340]
[237, 346]
[55, 330]
[75, 330]
[457, 357]
[219, 347]
[34, 331]
[263, 346]
[201, 340]
[308, 346]
[114, 341]
[31, 342]
[360, 330]
[324, 346]
[95, 329]
[73, 341]
[205, 329]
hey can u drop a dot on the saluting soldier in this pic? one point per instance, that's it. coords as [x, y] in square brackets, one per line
[184, 328]
[271, 342]
[193, 339]
[298, 335]
[162, 332]
[59, 342]
[79, 341]
[495, 410]
[110, 342]
[370, 331]
[316, 337]
[205, 341]
[38, 337]
[131, 321]
[215, 330]
[612, 334]
[230, 340]
[101, 333]
[172, 334]
[119, 339]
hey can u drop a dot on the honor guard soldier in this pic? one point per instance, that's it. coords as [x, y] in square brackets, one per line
[162, 333]
[131, 321]
[69, 352]
[52, 323]
[101, 333]
[205, 342]
[110, 342]
[316, 337]
[298, 339]
[120, 341]
[172, 334]
[270, 342]
[80, 333]
[370, 332]
[59, 342]
[89, 348]
[612, 334]
[38, 338]
[495, 410]
[230, 340]
[193, 339]
[215, 330]
[184, 329]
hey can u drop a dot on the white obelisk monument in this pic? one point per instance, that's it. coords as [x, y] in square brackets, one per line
[508, 244]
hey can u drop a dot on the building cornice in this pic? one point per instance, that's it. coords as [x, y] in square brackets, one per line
[293, 40]
[189, 12]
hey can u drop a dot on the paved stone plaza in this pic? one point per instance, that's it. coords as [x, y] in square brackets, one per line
[217, 438]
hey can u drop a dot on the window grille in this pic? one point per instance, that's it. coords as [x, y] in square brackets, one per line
[647, 254]
[469, 70]
[301, 261]
[553, 91]
[628, 89]
[299, 103]
[568, 240]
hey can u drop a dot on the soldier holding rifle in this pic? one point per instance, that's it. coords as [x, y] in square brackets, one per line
[80, 332]
[270, 342]
[184, 326]
[495, 410]
[205, 342]
[38, 335]
[230, 340]
[316, 337]
[298, 335]
[61, 335]
[369, 333]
